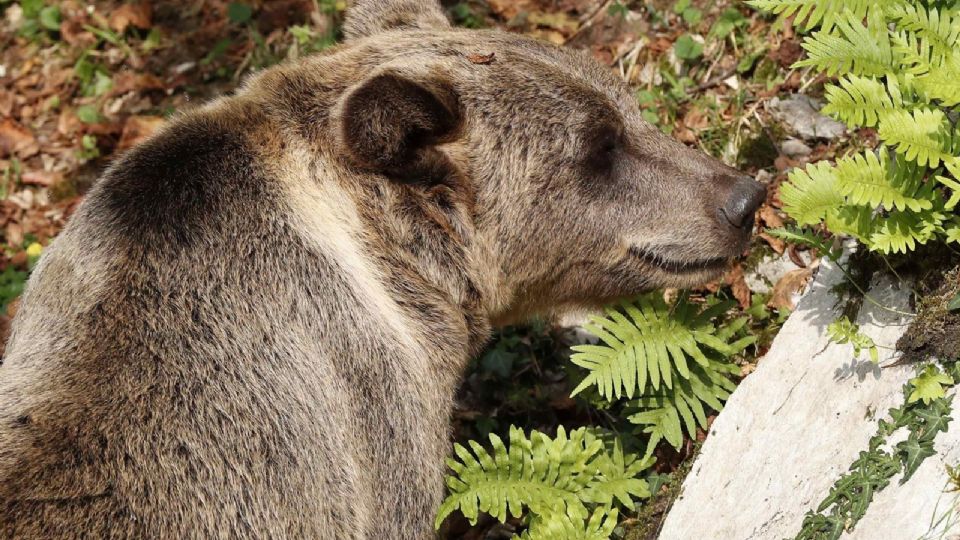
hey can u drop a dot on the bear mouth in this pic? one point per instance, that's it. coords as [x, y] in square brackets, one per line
[713, 264]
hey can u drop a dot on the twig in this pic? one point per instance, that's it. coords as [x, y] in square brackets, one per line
[590, 19]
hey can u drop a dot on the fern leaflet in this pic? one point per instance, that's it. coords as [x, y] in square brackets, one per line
[810, 13]
[903, 231]
[551, 477]
[858, 49]
[879, 181]
[925, 136]
[667, 414]
[811, 194]
[560, 527]
[643, 341]
[860, 101]
[940, 29]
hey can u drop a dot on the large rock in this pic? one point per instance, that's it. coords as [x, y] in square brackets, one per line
[798, 422]
[801, 115]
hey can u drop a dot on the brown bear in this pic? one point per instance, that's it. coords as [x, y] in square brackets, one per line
[255, 324]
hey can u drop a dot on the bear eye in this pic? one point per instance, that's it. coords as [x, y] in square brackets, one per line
[604, 146]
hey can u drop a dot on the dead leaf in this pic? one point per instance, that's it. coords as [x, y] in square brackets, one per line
[68, 122]
[795, 256]
[127, 81]
[12, 307]
[138, 128]
[41, 178]
[509, 9]
[790, 284]
[6, 103]
[770, 217]
[483, 59]
[16, 139]
[13, 233]
[776, 244]
[136, 14]
[738, 285]
[561, 22]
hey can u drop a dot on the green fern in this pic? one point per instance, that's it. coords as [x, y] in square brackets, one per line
[811, 194]
[943, 84]
[899, 67]
[857, 49]
[667, 414]
[902, 232]
[876, 180]
[952, 231]
[861, 101]
[810, 13]
[647, 341]
[955, 187]
[923, 135]
[560, 527]
[940, 29]
[550, 477]
[805, 237]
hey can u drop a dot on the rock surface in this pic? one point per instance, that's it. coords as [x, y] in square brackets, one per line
[801, 115]
[798, 422]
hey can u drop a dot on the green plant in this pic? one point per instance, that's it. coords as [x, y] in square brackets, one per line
[898, 62]
[673, 357]
[38, 18]
[663, 364]
[843, 331]
[557, 480]
[923, 417]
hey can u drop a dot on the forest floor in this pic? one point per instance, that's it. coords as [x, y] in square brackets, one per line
[81, 82]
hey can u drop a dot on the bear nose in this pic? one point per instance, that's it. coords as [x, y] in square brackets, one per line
[745, 198]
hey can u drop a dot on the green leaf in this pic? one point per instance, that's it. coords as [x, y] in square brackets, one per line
[858, 49]
[687, 48]
[692, 16]
[923, 135]
[552, 477]
[239, 12]
[811, 194]
[954, 305]
[50, 18]
[729, 20]
[88, 114]
[912, 452]
[929, 385]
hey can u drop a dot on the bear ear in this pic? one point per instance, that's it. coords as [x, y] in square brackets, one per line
[369, 17]
[390, 123]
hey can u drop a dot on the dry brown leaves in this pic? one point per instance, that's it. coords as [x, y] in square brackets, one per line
[792, 283]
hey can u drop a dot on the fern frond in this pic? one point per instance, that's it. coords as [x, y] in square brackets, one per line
[554, 478]
[543, 474]
[857, 49]
[560, 527]
[939, 28]
[924, 136]
[954, 194]
[667, 414]
[860, 101]
[943, 83]
[876, 180]
[646, 342]
[618, 479]
[810, 13]
[952, 231]
[851, 220]
[901, 232]
[913, 55]
[811, 194]
[807, 238]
